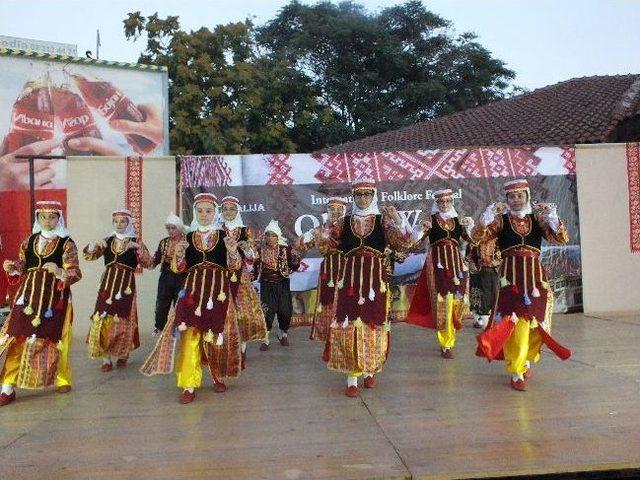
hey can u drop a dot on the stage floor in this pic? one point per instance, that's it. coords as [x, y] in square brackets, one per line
[287, 417]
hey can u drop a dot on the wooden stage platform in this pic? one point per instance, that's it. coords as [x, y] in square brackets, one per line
[287, 417]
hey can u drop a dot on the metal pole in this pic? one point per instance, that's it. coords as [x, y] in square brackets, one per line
[178, 187]
[32, 175]
[32, 187]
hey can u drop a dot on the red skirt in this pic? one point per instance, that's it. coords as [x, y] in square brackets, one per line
[204, 300]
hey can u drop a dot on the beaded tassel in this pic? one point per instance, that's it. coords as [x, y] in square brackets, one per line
[330, 284]
[372, 293]
[361, 297]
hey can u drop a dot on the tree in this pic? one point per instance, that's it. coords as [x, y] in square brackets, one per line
[223, 97]
[314, 76]
[383, 71]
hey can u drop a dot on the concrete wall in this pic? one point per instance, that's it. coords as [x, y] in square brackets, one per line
[610, 272]
[96, 187]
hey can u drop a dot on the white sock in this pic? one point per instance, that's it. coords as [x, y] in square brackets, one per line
[106, 360]
[283, 334]
[266, 338]
[484, 320]
[527, 364]
[7, 389]
[517, 376]
[368, 375]
[243, 347]
[352, 381]
[190, 389]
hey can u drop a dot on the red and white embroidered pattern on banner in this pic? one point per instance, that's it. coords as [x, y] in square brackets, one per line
[204, 171]
[318, 168]
[133, 194]
[443, 164]
[280, 169]
[440, 164]
[633, 178]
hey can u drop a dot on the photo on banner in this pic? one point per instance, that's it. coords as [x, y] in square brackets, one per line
[55, 105]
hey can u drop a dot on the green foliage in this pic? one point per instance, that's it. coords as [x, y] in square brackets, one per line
[314, 76]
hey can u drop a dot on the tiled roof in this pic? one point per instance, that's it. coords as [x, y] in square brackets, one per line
[580, 110]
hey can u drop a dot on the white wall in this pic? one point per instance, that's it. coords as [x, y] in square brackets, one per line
[96, 187]
[610, 272]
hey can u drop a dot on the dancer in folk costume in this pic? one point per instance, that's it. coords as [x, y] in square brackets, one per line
[521, 320]
[277, 260]
[114, 323]
[36, 336]
[330, 268]
[205, 319]
[483, 259]
[250, 316]
[171, 279]
[358, 338]
[441, 298]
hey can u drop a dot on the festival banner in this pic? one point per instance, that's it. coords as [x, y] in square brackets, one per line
[293, 189]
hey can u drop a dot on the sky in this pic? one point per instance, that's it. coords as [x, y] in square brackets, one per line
[543, 41]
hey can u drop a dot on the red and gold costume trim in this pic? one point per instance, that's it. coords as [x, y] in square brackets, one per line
[323, 309]
[114, 324]
[36, 334]
[206, 313]
[357, 348]
[524, 294]
[358, 338]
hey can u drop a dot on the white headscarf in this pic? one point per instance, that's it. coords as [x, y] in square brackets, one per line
[515, 186]
[59, 230]
[195, 225]
[176, 221]
[340, 201]
[230, 224]
[372, 209]
[130, 231]
[435, 209]
[274, 227]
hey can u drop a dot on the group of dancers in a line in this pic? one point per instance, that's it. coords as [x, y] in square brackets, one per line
[207, 308]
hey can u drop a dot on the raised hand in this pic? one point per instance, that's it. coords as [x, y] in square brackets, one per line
[133, 244]
[181, 248]
[499, 208]
[94, 245]
[490, 213]
[230, 243]
[50, 267]
[392, 212]
[544, 209]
